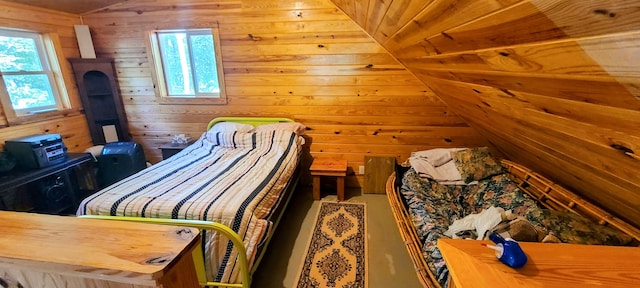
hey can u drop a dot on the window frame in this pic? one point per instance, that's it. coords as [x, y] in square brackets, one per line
[48, 47]
[159, 77]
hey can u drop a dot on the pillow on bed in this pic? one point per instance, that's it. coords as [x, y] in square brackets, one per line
[572, 228]
[476, 164]
[286, 126]
[276, 138]
[231, 127]
[231, 139]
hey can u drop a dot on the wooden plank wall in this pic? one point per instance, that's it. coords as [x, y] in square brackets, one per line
[73, 126]
[553, 84]
[300, 59]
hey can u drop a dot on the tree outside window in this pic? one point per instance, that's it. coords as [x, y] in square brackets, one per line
[27, 80]
[187, 64]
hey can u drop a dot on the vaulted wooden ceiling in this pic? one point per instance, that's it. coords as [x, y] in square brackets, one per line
[70, 6]
[553, 84]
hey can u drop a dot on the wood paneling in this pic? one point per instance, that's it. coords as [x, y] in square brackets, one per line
[72, 126]
[553, 84]
[70, 6]
[305, 60]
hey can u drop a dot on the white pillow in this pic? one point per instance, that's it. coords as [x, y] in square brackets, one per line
[231, 127]
[295, 127]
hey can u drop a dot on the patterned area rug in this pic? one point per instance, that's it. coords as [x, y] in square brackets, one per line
[337, 252]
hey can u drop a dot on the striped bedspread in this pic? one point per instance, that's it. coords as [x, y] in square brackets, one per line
[231, 178]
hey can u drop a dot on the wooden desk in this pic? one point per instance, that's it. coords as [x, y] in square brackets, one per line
[548, 265]
[61, 251]
[328, 167]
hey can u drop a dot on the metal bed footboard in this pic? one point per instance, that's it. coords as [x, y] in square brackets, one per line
[198, 256]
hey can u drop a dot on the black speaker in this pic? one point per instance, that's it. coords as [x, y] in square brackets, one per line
[53, 195]
[119, 160]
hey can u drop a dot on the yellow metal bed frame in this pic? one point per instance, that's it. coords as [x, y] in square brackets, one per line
[255, 121]
[198, 256]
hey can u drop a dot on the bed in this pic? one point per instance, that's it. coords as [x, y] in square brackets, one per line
[233, 182]
[426, 204]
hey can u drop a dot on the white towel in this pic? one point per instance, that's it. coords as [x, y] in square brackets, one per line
[445, 172]
[481, 222]
[436, 157]
[437, 164]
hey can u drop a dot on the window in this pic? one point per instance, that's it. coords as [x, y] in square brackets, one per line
[187, 66]
[30, 82]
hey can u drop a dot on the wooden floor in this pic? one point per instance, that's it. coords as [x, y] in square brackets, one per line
[389, 263]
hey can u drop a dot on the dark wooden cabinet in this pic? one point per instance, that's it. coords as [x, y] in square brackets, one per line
[51, 190]
[101, 99]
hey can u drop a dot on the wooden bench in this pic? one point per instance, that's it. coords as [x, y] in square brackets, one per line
[328, 167]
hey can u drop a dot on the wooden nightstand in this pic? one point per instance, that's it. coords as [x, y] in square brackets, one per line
[328, 167]
[170, 149]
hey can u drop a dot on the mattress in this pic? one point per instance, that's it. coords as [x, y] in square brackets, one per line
[236, 179]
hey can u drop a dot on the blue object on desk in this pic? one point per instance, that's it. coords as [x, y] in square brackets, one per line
[508, 251]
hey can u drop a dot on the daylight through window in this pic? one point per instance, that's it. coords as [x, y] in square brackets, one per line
[28, 81]
[186, 63]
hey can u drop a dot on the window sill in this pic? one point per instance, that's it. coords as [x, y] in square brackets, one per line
[43, 116]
